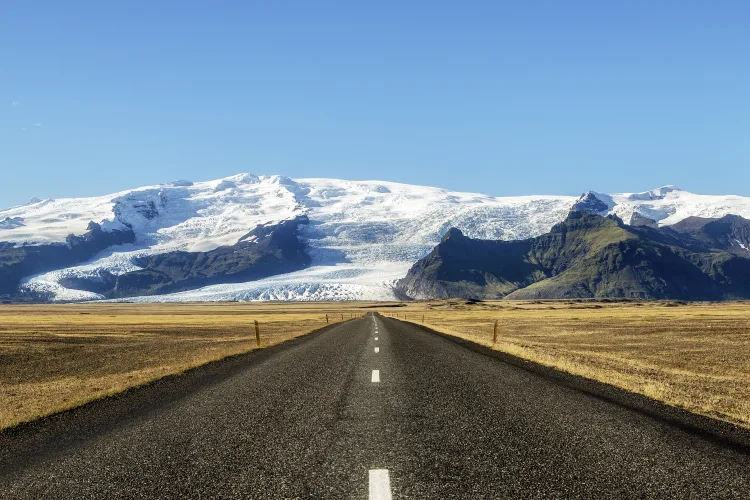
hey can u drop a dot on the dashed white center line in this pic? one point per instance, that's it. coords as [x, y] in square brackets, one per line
[376, 338]
[377, 349]
[376, 375]
[380, 485]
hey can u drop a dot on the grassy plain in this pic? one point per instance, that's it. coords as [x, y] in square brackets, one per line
[54, 357]
[694, 356]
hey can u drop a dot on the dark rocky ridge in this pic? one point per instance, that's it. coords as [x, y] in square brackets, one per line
[641, 220]
[588, 255]
[17, 262]
[731, 232]
[265, 251]
[588, 202]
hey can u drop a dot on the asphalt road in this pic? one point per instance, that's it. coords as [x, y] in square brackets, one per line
[308, 420]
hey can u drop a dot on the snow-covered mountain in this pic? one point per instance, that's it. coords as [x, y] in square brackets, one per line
[666, 205]
[361, 236]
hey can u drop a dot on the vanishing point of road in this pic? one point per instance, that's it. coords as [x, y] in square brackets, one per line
[370, 408]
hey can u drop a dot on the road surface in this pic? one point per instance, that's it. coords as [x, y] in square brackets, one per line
[370, 408]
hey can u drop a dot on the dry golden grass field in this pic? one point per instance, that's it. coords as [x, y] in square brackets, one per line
[695, 356]
[54, 357]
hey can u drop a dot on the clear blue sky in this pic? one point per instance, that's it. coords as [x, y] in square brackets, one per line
[503, 98]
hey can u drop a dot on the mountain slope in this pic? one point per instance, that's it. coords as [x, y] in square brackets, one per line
[730, 233]
[586, 255]
[266, 251]
[17, 261]
[360, 238]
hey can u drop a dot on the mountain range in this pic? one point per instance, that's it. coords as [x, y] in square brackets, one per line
[248, 237]
[592, 256]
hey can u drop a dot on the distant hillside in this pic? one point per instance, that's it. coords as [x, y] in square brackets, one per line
[730, 232]
[588, 255]
[332, 239]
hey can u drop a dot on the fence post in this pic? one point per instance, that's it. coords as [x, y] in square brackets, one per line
[494, 334]
[257, 333]
[326, 319]
[423, 319]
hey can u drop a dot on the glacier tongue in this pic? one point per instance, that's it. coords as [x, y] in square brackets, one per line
[361, 236]
[325, 282]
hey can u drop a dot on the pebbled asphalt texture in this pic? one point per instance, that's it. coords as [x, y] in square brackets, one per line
[304, 420]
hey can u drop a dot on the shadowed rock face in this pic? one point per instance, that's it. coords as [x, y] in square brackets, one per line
[265, 251]
[17, 262]
[590, 256]
[588, 202]
[639, 219]
[730, 233]
[465, 267]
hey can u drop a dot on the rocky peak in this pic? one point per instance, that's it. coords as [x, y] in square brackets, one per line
[589, 202]
[638, 219]
[453, 234]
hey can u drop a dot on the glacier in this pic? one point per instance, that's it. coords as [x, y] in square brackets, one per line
[362, 236]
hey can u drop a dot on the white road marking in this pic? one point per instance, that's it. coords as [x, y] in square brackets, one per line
[377, 349]
[376, 375]
[376, 338]
[380, 485]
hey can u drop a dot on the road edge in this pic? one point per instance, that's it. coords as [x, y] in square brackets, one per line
[21, 443]
[726, 433]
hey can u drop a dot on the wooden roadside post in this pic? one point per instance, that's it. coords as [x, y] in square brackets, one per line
[342, 317]
[326, 319]
[257, 333]
[423, 319]
[494, 334]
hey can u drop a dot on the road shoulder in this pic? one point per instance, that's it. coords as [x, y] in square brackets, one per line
[717, 430]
